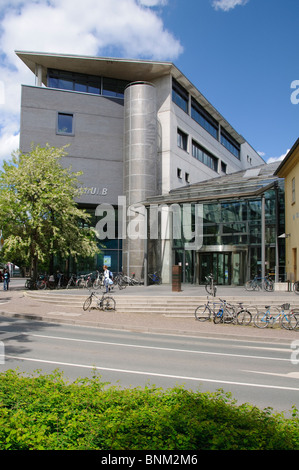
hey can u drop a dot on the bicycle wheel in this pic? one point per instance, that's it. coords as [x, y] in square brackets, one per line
[121, 284]
[262, 319]
[41, 285]
[211, 290]
[229, 314]
[218, 316]
[80, 283]
[288, 321]
[244, 317]
[268, 285]
[87, 303]
[108, 303]
[296, 315]
[296, 287]
[202, 313]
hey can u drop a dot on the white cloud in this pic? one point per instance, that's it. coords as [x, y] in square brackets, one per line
[127, 28]
[9, 140]
[277, 159]
[227, 5]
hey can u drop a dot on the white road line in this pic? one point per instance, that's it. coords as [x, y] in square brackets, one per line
[212, 353]
[153, 374]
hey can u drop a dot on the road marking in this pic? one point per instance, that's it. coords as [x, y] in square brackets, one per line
[289, 375]
[212, 353]
[153, 374]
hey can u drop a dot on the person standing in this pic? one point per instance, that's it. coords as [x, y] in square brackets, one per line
[6, 279]
[107, 278]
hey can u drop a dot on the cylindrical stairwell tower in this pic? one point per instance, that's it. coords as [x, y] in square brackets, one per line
[140, 168]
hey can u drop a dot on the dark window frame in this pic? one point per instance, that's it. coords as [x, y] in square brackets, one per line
[61, 131]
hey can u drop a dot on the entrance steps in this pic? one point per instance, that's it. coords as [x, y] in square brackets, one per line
[176, 304]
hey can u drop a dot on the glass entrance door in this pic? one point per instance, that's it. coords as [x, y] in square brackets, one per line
[219, 264]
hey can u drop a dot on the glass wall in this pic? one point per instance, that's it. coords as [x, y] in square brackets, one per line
[232, 239]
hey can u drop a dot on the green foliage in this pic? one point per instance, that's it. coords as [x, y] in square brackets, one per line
[46, 412]
[38, 213]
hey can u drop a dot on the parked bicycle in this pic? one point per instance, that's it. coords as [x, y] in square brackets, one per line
[72, 281]
[99, 280]
[258, 283]
[155, 277]
[210, 286]
[131, 280]
[103, 302]
[84, 280]
[288, 319]
[45, 282]
[213, 308]
[223, 312]
[30, 284]
[119, 281]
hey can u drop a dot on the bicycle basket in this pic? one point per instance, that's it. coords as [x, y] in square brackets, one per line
[286, 306]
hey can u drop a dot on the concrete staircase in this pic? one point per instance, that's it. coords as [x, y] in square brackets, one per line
[168, 305]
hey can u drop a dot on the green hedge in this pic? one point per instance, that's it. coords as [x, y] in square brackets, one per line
[47, 412]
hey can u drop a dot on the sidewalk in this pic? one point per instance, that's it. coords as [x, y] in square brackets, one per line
[19, 303]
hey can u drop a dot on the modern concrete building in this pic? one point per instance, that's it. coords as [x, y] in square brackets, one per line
[136, 129]
[289, 170]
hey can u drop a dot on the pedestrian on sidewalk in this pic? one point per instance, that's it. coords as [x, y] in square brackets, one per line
[6, 279]
[108, 282]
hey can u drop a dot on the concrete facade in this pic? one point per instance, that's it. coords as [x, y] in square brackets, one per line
[98, 145]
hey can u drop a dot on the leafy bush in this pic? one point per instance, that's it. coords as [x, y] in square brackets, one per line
[46, 412]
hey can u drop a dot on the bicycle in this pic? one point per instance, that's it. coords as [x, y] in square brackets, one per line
[31, 284]
[119, 280]
[260, 283]
[210, 287]
[45, 282]
[84, 280]
[244, 315]
[103, 302]
[273, 314]
[155, 277]
[131, 281]
[72, 281]
[99, 280]
[219, 310]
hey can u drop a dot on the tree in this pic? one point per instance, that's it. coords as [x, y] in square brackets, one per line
[38, 213]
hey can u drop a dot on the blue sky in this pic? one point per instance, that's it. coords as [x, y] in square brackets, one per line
[241, 54]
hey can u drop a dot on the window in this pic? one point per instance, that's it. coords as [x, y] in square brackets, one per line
[65, 124]
[180, 96]
[204, 119]
[204, 156]
[187, 177]
[293, 191]
[230, 143]
[182, 139]
[223, 167]
[86, 83]
[179, 173]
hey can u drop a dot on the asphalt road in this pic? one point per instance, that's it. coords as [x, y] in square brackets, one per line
[263, 374]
